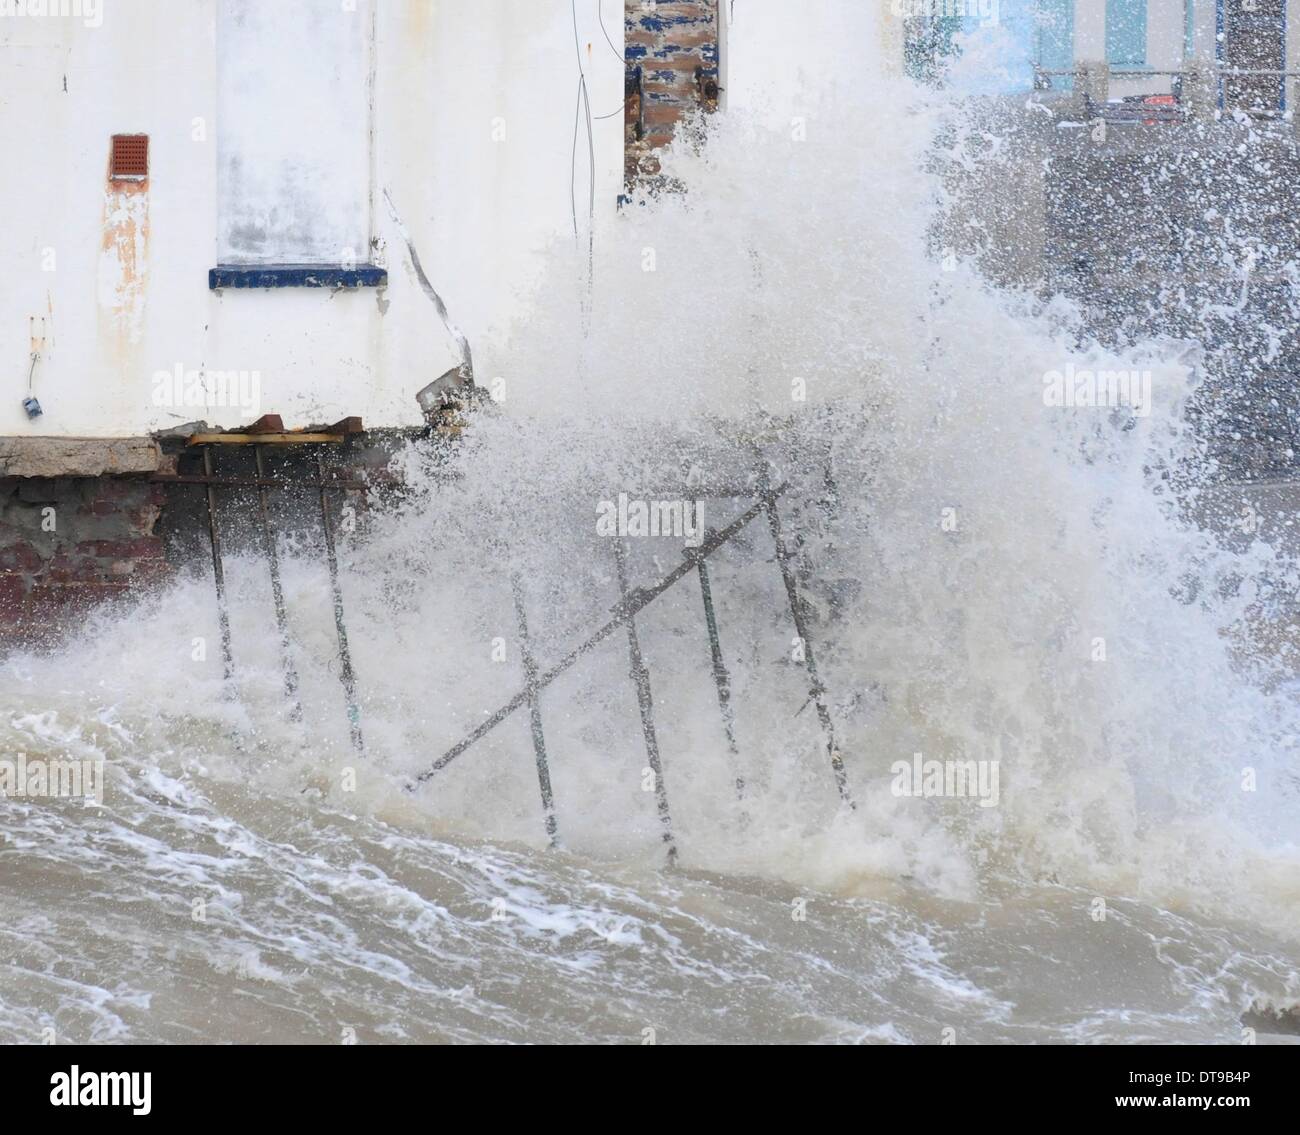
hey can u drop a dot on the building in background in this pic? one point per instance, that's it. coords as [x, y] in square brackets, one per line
[1146, 166]
[1016, 46]
[985, 46]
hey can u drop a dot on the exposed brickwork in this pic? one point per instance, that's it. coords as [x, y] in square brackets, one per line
[110, 536]
[671, 47]
[68, 543]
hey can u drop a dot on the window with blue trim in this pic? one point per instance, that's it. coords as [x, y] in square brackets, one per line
[294, 145]
[1126, 33]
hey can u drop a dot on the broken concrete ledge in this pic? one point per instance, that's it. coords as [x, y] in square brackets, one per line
[77, 456]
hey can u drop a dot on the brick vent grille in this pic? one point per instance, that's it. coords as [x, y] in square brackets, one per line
[130, 156]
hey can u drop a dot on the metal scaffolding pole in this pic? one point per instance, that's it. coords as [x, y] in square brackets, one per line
[345, 656]
[277, 592]
[219, 575]
[645, 702]
[817, 691]
[535, 713]
[721, 679]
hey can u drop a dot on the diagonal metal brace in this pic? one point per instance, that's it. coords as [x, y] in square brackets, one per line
[634, 601]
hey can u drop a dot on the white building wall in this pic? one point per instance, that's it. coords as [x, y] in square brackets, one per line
[1166, 36]
[1204, 29]
[779, 59]
[473, 110]
[294, 148]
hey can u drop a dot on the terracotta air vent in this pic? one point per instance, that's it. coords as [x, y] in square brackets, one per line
[130, 161]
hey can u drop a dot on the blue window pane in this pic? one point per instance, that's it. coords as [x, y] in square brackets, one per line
[1126, 33]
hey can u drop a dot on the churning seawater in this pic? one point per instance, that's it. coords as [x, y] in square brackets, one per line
[988, 578]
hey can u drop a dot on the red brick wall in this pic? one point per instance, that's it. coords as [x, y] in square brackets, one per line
[675, 44]
[67, 543]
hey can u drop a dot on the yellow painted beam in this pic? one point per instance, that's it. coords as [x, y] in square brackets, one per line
[266, 439]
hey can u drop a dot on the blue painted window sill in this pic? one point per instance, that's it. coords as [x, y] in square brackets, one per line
[296, 276]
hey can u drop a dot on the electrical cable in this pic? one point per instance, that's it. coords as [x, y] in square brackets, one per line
[584, 103]
[621, 109]
[600, 15]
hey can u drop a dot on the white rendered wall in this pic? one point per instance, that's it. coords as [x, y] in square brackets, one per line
[293, 150]
[473, 107]
[779, 58]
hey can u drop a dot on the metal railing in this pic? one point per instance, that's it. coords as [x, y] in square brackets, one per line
[211, 481]
[536, 678]
[1093, 81]
[632, 601]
